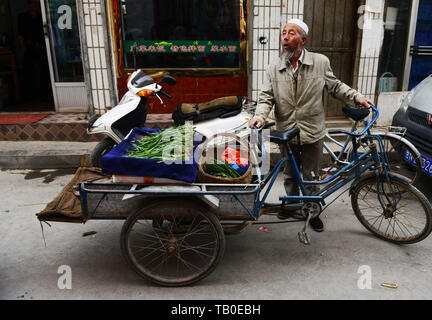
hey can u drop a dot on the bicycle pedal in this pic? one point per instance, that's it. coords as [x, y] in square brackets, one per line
[304, 238]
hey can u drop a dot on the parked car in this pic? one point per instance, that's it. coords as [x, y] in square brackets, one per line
[415, 114]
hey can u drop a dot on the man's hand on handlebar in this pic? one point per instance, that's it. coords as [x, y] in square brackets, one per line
[254, 122]
[364, 103]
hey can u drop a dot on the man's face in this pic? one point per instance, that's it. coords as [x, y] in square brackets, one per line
[291, 38]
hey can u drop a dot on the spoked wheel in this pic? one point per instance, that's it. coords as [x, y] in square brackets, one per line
[397, 151]
[402, 157]
[396, 211]
[172, 242]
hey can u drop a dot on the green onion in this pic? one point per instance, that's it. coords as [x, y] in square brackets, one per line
[221, 169]
[171, 139]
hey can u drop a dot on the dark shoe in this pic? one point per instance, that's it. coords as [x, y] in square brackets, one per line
[316, 224]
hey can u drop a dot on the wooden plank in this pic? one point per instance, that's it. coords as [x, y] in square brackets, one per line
[347, 72]
[318, 23]
[338, 68]
[333, 25]
[339, 24]
[350, 23]
[329, 22]
[337, 65]
[308, 19]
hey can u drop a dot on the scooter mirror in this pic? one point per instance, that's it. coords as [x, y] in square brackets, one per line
[168, 80]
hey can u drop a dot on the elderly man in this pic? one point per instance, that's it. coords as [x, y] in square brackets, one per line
[297, 84]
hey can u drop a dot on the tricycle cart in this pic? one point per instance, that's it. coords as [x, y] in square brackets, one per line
[174, 234]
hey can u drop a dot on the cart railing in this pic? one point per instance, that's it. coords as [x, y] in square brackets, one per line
[243, 194]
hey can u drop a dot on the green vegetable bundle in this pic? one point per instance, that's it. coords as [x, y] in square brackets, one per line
[178, 139]
[221, 169]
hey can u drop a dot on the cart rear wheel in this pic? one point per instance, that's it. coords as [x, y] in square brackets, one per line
[172, 242]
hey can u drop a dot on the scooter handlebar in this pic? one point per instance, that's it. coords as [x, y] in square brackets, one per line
[165, 94]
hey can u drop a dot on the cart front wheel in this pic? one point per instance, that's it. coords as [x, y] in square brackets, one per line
[392, 209]
[172, 242]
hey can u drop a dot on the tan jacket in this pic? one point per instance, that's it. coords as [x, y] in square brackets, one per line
[301, 102]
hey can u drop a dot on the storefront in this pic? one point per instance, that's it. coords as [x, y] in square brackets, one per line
[203, 44]
[81, 52]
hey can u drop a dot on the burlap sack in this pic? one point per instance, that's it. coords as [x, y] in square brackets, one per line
[66, 207]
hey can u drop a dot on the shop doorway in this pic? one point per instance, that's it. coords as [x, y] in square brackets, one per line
[40, 57]
[63, 45]
[25, 84]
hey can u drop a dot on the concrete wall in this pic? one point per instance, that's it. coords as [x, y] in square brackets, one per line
[388, 104]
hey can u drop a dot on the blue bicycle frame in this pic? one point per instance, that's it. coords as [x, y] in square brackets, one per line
[359, 165]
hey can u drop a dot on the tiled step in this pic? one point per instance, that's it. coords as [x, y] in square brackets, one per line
[66, 127]
[73, 127]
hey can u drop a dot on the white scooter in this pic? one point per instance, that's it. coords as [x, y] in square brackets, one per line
[132, 112]
[129, 113]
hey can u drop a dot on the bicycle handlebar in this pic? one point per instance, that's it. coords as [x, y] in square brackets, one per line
[364, 130]
[257, 130]
[268, 125]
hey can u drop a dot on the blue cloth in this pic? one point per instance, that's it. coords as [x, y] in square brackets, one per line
[114, 161]
[240, 169]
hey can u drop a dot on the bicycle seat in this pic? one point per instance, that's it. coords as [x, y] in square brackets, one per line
[355, 113]
[280, 137]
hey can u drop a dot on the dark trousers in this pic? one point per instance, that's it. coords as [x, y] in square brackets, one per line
[308, 159]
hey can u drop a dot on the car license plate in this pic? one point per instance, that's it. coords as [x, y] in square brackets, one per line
[426, 162]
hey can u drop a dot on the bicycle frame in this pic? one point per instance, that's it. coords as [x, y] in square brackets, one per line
[359, 165]
[343, 146]
[338, 158]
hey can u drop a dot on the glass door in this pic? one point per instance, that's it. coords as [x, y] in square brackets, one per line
[421, 51]
[63, 44]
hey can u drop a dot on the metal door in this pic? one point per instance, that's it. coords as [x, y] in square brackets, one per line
[64, 55]
[332, 32]
[421, 50]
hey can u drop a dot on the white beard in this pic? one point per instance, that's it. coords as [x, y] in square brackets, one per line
[287, 55]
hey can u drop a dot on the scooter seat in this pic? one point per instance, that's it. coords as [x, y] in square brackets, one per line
[281, 137]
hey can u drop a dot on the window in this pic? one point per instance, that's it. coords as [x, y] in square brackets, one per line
[65, 42]
[182, 33]
[396, 29]
[421, 66]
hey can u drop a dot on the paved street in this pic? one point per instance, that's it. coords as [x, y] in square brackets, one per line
[256, 264]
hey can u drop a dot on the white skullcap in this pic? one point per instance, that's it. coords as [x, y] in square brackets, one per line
[301, 24]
